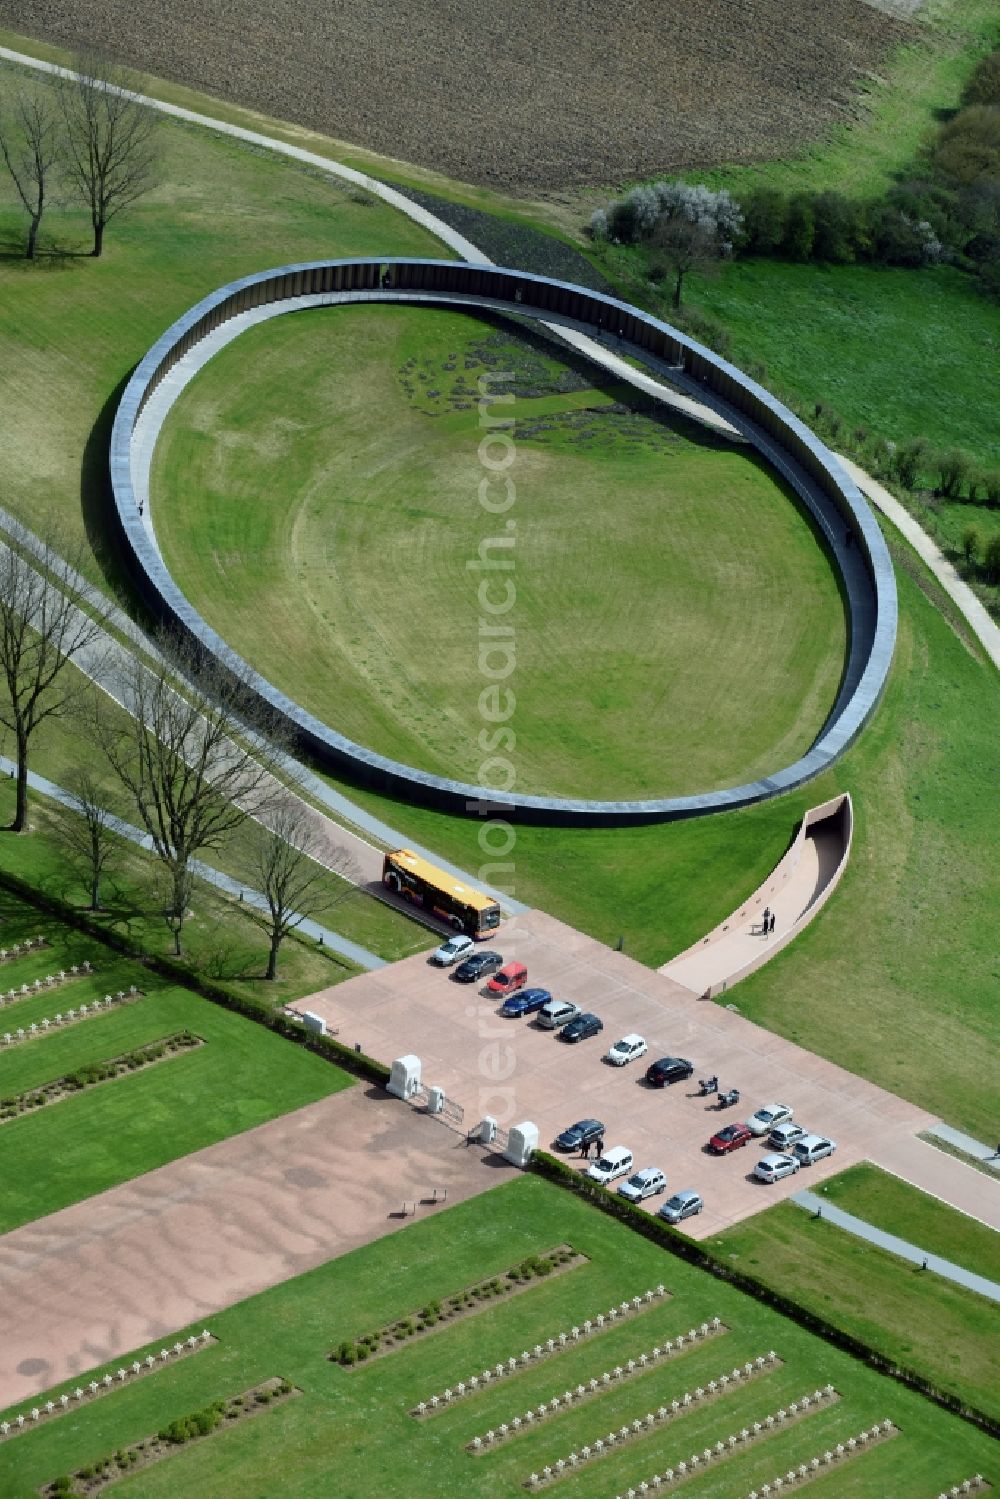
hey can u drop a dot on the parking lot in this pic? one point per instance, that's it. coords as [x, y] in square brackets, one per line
[515, 1071]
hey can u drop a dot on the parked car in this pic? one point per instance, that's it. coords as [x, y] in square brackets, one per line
[581, 1028]
[773, 1167]
[812, 1148]
[668, 1070]
[648, 1182]
[526, 1003]
[584, 1132]
[616, 1162]
[733, 1137]
[628, 1049]
[476, 967]
[449, 952]
[768, 1118]
[508, 979]
[682, 1205]
[785, 1136]
[556, 1013]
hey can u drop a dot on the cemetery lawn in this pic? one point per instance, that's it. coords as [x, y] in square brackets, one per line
[942, 1330]
[900, 1209]
[243, 1076]
[379, 1449]
[315, 496]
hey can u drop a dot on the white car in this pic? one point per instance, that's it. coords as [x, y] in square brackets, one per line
[645, 1183]
[618, 1161]
[451, 951]
[767, 1118]
[626, 1050]
[773, 1167]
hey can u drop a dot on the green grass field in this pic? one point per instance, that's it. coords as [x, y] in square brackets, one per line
[929, 1324]
[900, 1209]
[73, 328]
[675, 625]
[241, 1077]
[358, 1418]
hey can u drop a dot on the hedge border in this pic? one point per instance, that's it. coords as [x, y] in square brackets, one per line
[357, 1063]
[674, 1242]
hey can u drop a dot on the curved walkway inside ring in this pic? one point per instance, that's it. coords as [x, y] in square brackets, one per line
[850, 529]
[794, 892]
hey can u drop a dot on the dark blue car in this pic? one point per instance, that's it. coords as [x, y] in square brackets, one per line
[525, 1003]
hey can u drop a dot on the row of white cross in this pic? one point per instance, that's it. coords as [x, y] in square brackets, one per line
[11, 1038]
[666, 1412]
[542, 1350]
[832, 1455]
[25, 1420]
[48, 982]
[615, 1376]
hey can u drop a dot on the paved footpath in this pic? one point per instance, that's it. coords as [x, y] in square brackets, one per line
[144, 1260]
[929, 552]
[974, 1148]
[907, 1251]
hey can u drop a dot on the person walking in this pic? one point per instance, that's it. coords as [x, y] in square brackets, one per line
[773, 920]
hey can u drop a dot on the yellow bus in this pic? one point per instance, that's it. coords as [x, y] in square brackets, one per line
[440, 894]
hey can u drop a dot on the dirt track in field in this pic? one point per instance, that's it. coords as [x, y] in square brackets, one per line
[520, 96]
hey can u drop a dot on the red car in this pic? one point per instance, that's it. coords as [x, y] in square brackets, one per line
[508, 980]
[730, 1138]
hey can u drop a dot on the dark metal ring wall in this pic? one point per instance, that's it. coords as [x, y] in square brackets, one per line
[842, 514]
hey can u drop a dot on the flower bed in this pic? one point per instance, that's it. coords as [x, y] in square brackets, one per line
[519, 1277]
[94, 1073]
[96, 1476]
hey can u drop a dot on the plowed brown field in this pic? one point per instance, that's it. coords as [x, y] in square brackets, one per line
[520, 96]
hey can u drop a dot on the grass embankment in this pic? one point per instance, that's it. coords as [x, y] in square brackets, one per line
[221, 942]
[900, 1209]
[929, 1324]
[74, 327]
[241, 1077]
[672, 621]
[290, 1330]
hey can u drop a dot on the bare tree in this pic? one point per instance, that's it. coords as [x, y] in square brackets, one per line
[290, 857]
[111, 141]
[685, 247]
[43, 628]
[193, 758]
[88, 831]
[31, 147]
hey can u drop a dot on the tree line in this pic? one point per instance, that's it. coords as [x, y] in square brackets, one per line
[195, 757]
[947, 208]
[86, 137]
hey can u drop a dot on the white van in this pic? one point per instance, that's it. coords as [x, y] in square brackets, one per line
[812, 1148]
[616, 1162]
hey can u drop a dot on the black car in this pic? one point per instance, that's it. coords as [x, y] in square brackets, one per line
[584, 1132]
[668, 1070]
[477, 967]
[579, 1029]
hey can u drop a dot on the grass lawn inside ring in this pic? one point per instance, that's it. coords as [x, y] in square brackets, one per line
[851, 534]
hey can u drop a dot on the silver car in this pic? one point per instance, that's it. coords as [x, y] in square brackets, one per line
[773, 1167]
[785, 1136]
[645, 1183]
[682, 1205]
[451, 951]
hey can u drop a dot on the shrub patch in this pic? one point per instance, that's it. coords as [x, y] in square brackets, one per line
[92, 1074]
